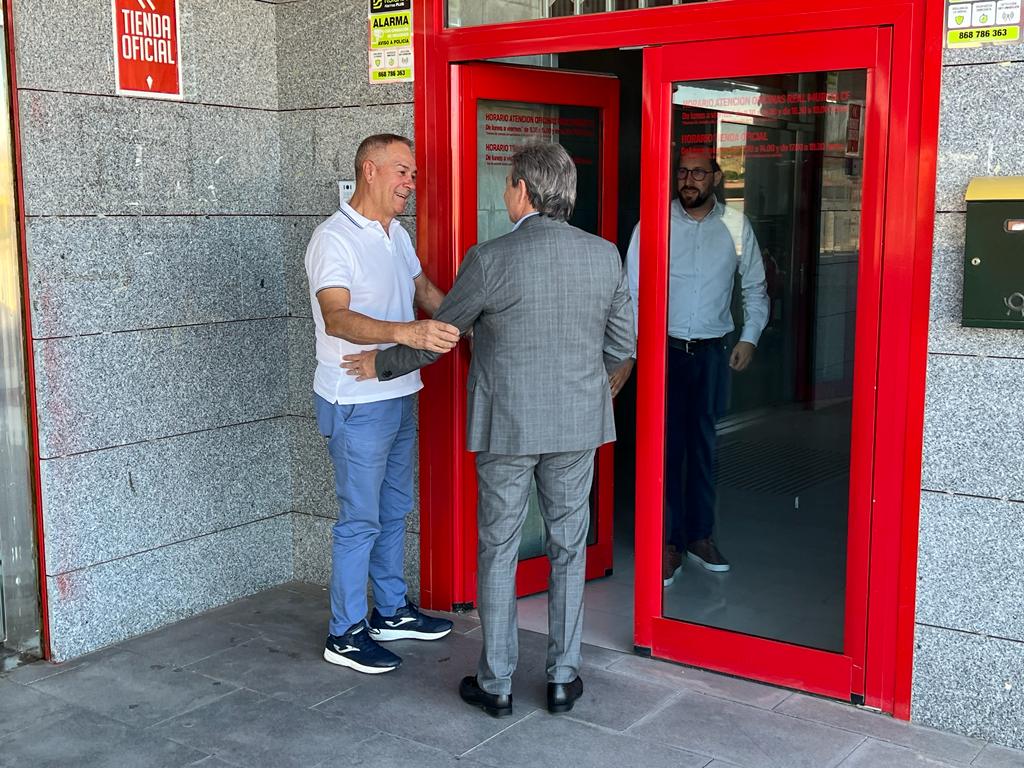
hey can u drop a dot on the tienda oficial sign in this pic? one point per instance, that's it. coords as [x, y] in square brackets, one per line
[147, 46]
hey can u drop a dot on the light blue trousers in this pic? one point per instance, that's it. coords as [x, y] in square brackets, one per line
[371, 446]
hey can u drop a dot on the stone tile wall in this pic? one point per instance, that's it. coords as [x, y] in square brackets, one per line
[159, 319]
[327, 107]
[969, 651]
[173, 337]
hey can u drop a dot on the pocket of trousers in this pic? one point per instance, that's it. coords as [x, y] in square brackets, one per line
[328, 413]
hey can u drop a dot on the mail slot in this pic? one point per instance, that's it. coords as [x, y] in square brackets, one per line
[994, 253]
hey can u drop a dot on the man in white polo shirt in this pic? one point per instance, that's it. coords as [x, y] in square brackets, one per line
[364, 279]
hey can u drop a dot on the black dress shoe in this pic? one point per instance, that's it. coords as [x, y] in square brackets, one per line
[561, 696]
[494, 704]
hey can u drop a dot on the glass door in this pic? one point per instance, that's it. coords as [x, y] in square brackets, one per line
[501, 108]
[758, 286]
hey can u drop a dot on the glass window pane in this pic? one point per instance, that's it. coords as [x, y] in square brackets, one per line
[502, 126]
[764, 248]
[19, 584]
[471, 13]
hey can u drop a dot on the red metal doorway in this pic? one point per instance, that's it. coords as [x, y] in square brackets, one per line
[500, 106]
[909, 183]
[836, 670]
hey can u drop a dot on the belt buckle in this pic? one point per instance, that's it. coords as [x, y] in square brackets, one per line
[691, 344]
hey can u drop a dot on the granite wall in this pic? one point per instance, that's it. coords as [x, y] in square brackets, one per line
[969, 652]
[327, 106]
[159, 319]
[172, 333]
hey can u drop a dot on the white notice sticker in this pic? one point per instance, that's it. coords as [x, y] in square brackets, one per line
[959, 16]
[1008, 12]
[984, 15]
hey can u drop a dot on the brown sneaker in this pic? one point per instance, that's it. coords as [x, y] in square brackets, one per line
[705, 553]
[671, 564]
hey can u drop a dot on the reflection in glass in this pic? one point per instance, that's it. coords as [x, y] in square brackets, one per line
[503, 126]
[471, 13]
[19, 585]
[758, 461]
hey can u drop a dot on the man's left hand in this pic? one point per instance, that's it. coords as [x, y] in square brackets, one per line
[362, 365]
[618, 378]
[741, 355]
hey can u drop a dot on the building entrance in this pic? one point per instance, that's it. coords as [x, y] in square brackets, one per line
[780, 485]
[503, 107]
[757, 456]
[754, 214]
[776, 467]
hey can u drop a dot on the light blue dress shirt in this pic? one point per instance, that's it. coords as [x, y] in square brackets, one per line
[704, 258]
[532, 213]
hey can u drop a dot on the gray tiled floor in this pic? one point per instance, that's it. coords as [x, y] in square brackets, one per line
[245, 686]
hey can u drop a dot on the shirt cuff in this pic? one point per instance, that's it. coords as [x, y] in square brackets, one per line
[750, 335]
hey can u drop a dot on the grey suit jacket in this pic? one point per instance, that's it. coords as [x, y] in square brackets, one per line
[551, 317]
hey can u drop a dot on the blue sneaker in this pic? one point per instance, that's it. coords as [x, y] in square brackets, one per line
[408, 624]
[357, 650]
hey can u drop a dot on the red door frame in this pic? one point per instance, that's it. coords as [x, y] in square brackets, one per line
[839, 675]
[30, 371]
[916, 28]
[534, 86]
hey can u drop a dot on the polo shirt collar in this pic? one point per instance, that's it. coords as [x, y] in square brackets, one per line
[354, 216]
[361, 221]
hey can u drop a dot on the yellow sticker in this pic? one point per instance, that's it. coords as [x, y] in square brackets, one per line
[977, 36]
[391, 30]
[397, 75]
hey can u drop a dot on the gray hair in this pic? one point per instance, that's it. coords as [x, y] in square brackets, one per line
[550, 177]
[372, 144]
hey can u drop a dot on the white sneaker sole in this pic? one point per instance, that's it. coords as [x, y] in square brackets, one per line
[708, 566]
[668, 582]
[387, 635]
[344, 661]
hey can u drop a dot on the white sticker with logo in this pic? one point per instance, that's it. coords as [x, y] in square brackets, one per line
[1008, 11]
[959, 16]
[984, 14]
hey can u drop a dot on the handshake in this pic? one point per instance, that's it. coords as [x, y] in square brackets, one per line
[429, 335]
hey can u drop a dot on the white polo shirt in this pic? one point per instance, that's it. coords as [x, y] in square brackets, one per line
[350, 251]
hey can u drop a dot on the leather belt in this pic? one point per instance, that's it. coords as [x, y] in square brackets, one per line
[689, 346]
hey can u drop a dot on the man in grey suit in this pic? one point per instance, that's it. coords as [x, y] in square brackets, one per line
[551, 317]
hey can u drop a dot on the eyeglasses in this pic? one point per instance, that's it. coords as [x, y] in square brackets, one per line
[697, 174]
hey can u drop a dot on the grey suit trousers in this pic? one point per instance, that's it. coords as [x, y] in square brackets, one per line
[563, 485]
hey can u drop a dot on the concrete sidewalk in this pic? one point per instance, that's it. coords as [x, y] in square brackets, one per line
[245, 685]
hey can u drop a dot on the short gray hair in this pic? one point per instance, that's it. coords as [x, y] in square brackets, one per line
[372, 144]
[550, 177]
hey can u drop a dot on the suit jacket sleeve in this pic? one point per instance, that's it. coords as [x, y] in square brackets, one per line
[620, 330]
[461, 307]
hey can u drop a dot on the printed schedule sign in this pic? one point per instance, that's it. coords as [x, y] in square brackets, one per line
[390, 41]
[146, 45]
[977, 23]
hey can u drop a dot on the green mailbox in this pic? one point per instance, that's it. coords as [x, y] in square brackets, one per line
[994, 253]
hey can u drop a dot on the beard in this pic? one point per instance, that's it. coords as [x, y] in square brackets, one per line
[695, 202]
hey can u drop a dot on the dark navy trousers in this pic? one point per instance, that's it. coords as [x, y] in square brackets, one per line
[695, 399]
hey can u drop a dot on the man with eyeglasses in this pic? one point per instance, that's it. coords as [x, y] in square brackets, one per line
[708, 244]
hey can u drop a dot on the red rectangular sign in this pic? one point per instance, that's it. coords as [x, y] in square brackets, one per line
[146, 46]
